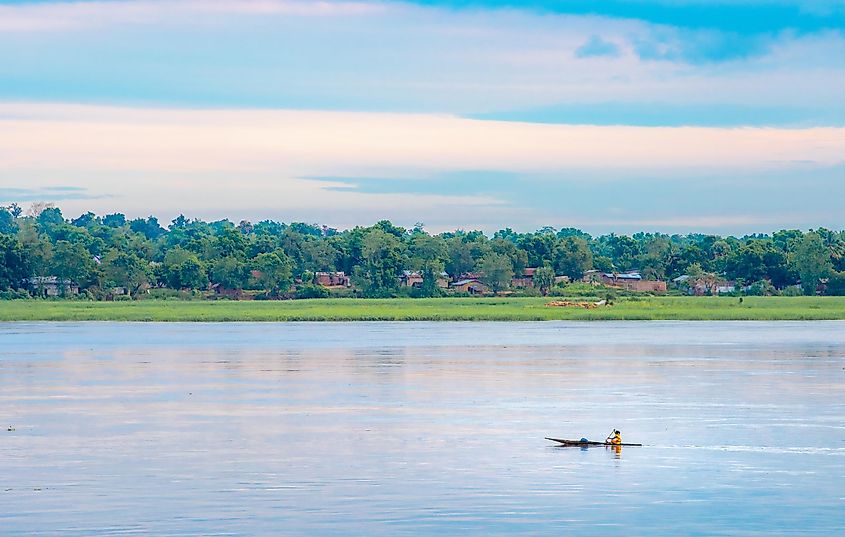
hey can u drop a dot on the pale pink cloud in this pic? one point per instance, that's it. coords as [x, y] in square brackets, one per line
[321, 142]
[69, 15]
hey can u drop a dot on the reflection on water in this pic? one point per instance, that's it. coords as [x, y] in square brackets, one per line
[421, 428]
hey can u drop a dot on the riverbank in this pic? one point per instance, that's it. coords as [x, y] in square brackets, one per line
[437, 309]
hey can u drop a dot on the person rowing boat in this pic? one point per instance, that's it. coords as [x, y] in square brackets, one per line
[584, 442]
[614, 438]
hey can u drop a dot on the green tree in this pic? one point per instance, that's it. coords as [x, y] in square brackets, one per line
[7, 222]
[148, 227]
[544, 279]
[230, 273]
[319, 255]
[704, 280]
[518, 257]
[572, 257]
[88, 219]
[759, 259]
[114, 220]
[293, 243]
[811, 261]
[427, 254]
[262, 243]
[274, 272]
[836, 284]
[14, 265]
[538, 247]
[70, 262]
[191, 274]
[388, 227]
[50, 216]
[424, 248]
[695, 272]
[184, 270]
[37, 247]
[622, 249]
[459, 257]
[126, 269]
[381, 264]
[787, 239]
[498, 272]
[229, 242]
[431, 274]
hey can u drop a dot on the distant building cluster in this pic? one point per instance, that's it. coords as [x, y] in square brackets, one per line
[629, 281]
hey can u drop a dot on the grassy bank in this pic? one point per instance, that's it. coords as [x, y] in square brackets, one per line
[444, 309]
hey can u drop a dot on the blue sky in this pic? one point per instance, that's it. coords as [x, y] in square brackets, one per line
[654, 78]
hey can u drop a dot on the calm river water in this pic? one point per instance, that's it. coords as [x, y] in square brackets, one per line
[421, 428]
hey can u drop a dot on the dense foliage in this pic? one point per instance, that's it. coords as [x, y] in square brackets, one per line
[100, 253]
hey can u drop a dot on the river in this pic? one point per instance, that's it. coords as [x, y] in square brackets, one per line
[420, 428]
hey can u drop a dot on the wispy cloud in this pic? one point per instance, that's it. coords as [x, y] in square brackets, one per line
[698, 224]
[46, 193]
[702, 46]
[652, 114]
[48, 16]
[739, 16]
[596, 46]
[61, 136]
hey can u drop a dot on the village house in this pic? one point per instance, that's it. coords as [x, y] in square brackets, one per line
[705, 286]
[47, 286]
[332, 279]
[117, 291]
[233, 294]
[472, 286]
[632, 281]
[526, 279]
[411, 278]
[414, 278]
[725, 287]
[591, 276]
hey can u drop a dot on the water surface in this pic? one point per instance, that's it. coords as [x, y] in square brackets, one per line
[421, 428]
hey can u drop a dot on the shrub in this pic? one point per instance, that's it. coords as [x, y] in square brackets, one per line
[578, 289]
[527, 291]
[418, 292]
[344, 293]
[311, 291]
[792, 290]
[762, 288]
[14, 294]
[836, 284]
[165, 293]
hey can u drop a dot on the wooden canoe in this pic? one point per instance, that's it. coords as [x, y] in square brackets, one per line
[588, 443]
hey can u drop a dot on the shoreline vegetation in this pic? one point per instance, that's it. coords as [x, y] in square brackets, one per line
[435, 309]
[111, 258]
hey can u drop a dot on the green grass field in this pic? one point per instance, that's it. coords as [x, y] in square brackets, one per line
[438, 309]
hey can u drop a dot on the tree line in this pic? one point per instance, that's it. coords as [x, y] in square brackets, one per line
[102, 252]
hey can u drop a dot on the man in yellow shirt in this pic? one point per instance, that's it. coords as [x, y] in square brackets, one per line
[615, 438]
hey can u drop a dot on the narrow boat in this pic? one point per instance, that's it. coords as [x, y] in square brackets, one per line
[587, 443]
